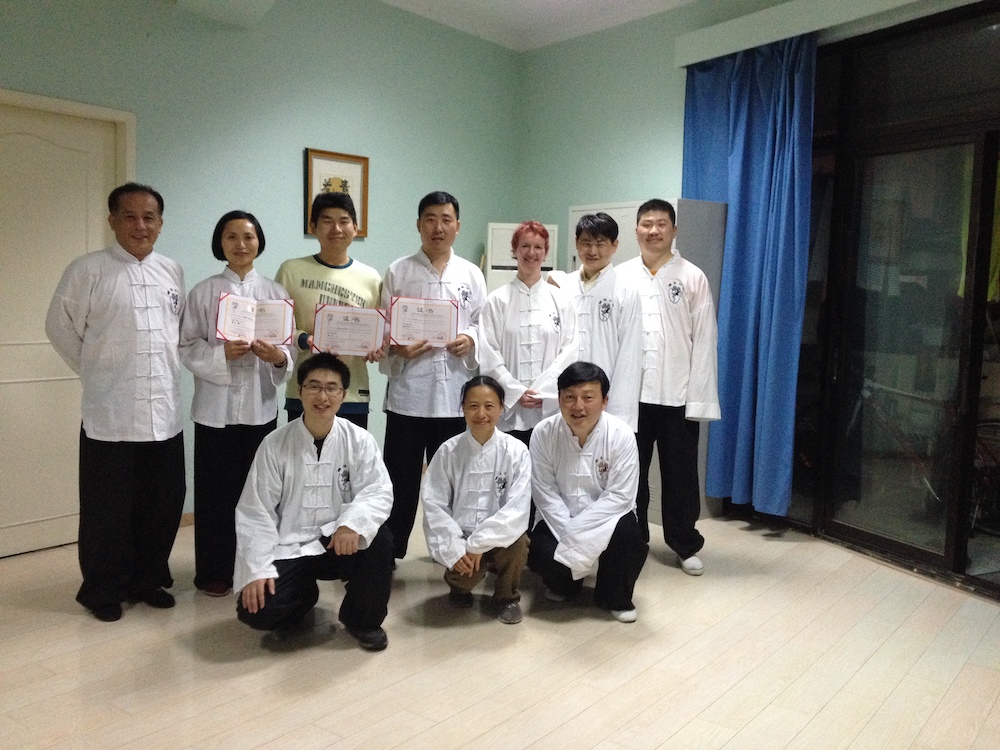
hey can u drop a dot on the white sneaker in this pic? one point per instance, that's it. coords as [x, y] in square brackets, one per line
[554, 596]
[692, 565]
[624, 615]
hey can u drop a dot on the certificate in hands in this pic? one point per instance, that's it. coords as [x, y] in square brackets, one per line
[432, 320]
[245, 319]
[342, 329]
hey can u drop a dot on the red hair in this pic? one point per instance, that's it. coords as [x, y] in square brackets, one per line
[529, 227]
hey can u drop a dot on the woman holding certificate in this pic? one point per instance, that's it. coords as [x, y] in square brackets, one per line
[237, 371]
[527, 335]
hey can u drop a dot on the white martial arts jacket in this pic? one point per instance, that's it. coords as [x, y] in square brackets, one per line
[475, 497]
[680, 336]
[241, 391]
[609, 332]
[291, 499]
[581, 493]
[431, 385]
[115, 320]
[527, 336]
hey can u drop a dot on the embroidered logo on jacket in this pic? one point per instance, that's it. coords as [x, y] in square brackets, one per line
[604, 308]
[500, 483]
[344, 479]
[675, 290]
[603, 465]
[556, 323]
[174, 295]
[464, 295]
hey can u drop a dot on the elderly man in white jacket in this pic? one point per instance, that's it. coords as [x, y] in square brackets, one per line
[114, 319]
[585, 474]
[313, 508]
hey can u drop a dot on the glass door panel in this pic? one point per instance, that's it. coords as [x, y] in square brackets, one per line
[898, 377]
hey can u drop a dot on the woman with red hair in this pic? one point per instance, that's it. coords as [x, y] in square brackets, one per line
[527, 335]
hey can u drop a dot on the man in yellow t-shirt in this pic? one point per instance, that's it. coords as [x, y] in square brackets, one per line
[332, 277]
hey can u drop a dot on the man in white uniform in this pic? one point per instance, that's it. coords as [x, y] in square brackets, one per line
[679, 376]
[423, 398]
[609, 315]
[114, 319]
[585, 473]
[313, 508]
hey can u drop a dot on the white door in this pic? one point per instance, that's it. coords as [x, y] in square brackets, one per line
[57, 170]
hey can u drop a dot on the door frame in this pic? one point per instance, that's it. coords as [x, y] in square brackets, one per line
[843, 270]
[124, 123]
[62, 528]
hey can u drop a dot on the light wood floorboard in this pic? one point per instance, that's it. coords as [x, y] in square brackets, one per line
[786, 642]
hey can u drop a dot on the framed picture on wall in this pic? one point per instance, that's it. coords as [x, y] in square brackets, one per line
[330, 172]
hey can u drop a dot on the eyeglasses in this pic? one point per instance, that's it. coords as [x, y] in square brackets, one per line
[314, 389]
[591, 244]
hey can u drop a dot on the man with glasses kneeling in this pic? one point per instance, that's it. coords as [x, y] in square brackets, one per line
[313, 508]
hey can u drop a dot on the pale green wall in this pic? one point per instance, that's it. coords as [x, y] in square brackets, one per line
[604, 119]
[224, 113]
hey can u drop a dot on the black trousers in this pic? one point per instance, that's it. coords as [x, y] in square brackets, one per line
[407, 440]
[222, 458]
[131, 499]
[618, 569]
[676, 441]
[368, 574]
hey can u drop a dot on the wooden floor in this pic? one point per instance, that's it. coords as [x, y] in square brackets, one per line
[786, 641]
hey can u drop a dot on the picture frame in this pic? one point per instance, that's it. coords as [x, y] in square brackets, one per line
[329, 171]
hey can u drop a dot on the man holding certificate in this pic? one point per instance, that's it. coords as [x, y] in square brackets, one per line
[334, 280]
[434, 298]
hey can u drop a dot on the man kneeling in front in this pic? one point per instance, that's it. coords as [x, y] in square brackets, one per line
[584, 480]
[313, 508]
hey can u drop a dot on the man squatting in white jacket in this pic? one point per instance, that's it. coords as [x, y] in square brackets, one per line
[313, 508]
[679, 376]
[585, 473]
[115, 320]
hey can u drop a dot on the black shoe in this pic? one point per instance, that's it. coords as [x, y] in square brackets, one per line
[460, 599]
[156, 598]
[371, 640]
[107, 613]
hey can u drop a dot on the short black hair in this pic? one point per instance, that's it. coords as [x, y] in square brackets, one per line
[437, 198]
[221, 226]
[656, 204]
[325, 361]
[597, 225]
[114, 198]
[484, 380]
[583, 372]
[332, 200]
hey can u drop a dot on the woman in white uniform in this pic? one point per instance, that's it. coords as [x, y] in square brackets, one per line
[527, 335]
[235, 396]
[476, 495]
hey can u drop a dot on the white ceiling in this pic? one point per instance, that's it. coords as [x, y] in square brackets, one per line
[523, 25]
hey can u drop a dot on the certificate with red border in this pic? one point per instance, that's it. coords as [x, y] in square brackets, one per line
[246, 319]
[412, 320]
[347, 330]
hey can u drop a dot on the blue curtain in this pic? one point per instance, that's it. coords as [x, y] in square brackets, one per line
[748, 143]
